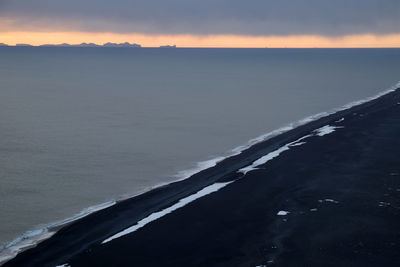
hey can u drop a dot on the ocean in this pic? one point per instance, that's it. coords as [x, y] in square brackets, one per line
[81, 128]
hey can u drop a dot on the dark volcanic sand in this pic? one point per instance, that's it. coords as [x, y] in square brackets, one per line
[357, 166]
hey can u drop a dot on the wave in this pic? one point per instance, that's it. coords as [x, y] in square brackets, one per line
[32, 238]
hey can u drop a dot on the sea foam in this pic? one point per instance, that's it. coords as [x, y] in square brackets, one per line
[31, 238]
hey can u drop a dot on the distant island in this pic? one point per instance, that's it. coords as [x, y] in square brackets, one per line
[126, 44]
[167, 46]
[112, 45]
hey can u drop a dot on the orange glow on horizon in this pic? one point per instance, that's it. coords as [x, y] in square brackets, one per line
[234, 41]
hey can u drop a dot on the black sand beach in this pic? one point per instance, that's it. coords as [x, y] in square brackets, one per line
[340, 193]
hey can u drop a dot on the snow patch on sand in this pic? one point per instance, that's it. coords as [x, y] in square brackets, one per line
[298, 144]
[327, 129]
[181, 203]
[272, 155]
[384, 204]
[263, 160]
[283, 213]
[328, 200]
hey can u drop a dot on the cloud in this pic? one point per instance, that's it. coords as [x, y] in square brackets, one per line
[250, 17]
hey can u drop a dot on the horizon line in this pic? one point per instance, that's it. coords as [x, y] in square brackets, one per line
[200, 41]
[189, 47]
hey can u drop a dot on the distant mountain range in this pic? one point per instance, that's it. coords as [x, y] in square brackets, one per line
[167, 46]
[126, 44]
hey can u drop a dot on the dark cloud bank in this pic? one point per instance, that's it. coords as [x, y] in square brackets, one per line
[252, 17]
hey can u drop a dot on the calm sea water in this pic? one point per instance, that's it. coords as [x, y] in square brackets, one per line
[82, 126]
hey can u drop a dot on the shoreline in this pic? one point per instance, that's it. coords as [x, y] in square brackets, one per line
[164, 195]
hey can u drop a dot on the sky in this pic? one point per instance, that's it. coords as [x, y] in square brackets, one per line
[205, 23]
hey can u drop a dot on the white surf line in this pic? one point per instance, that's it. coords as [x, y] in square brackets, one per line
[314, 117]
[181, 203]
[31, 238]
[182, 175]
[43, 233]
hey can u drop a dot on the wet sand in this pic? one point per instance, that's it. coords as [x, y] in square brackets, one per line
[331, 201]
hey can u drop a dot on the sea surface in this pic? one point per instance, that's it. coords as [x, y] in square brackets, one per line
[84, 126]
